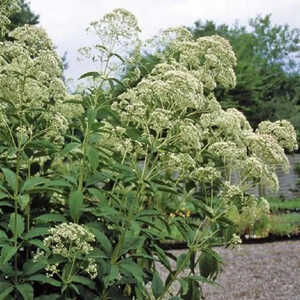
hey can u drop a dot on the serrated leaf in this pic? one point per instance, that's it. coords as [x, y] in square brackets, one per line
[157, 285]
[103, 240]
[6, 292]
[46, 218]
[11, 178]
[3, 235]
[6, 203]
[16, 223]
[133, 269]
[113, 274]
[35, 232]
[84, 281]
[69, 148]
[44, 279]
[23, 201]
[181, 261]
[3, 188]
[32, 182]
[25, 290]
[163, 259]
[100, 195]
[3, 195]
[76, 205]
[49, 296]
[30, 266]
[131, 242]
[90, 74]
[208, 265]
[7, 252]
[93, 157]
[60, 182]
[38, 244]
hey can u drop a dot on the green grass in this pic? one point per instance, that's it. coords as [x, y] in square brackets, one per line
[277, 204]
[285, 224]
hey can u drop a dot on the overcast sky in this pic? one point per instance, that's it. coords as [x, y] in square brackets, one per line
[66, 20]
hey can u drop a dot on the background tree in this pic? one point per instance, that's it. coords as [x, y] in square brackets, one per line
[23, 16]
[267, 70]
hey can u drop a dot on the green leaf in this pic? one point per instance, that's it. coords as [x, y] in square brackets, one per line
[11, 178]
[44, 279]
[92, 116]
[100, 195]
[38, 244]
[16, 223]
[60, 182]
[35, 232]
[25, 290]
[103, 240]
[93, 157]
[84, 281]
[24, 201]
[6, 203]
[118, 56]
[30, 267]
[69, 148]
[131, 242]
[132, 269]
[113, 275]
[208, 265]
[76, 205]
[181, 260]
[46, 218]
[32, 182]
[157, 285]
[7, 252]
[194, 291]
[90, 74]
[49, 296]
[3, 195]
[6, 292]
[3, 235]
[163, 259]
[3, 189]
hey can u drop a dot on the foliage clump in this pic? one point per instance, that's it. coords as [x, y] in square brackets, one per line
[91, 184]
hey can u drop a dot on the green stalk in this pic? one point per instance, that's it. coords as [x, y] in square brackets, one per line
[16, 219]
[86, 133]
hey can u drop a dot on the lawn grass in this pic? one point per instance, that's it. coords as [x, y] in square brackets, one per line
[277, 204]
[285, 224]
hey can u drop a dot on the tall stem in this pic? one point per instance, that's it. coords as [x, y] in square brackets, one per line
[16, 192]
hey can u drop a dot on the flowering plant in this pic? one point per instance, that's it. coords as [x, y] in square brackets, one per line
[91, 184]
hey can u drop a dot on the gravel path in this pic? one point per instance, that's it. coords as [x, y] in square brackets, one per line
[269, 271]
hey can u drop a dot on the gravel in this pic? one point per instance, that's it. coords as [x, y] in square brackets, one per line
[269, 271]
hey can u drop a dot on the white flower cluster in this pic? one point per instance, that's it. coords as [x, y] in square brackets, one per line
[232, 193]
[31, 75]
[205, 174]
[73, 242]
[254, 168]
[228, 151]
[266, 148]
[283, 131]
[117, 41]
[69, 239]
[7, 7]
[179, 118]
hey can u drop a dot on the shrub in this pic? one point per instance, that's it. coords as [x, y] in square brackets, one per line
[90, 182]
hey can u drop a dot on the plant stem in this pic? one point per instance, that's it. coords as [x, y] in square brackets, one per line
[16, 214]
